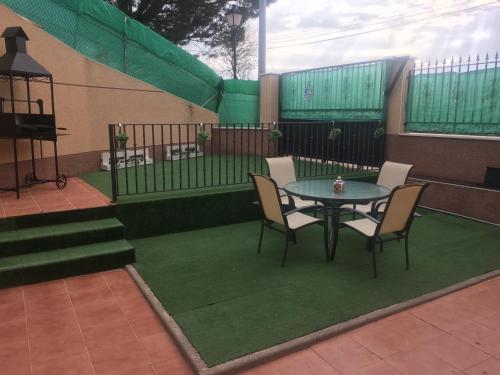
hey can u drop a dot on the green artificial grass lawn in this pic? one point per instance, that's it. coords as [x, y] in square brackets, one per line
[198, 174]
[230, 301]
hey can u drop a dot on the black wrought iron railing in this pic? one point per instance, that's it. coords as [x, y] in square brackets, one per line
[150, 158]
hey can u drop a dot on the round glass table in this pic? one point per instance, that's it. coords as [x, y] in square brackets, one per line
[322, 190]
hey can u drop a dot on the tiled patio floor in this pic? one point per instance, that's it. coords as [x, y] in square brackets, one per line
[456, 334]
[47, 198]
[88, 325]
[101, 324]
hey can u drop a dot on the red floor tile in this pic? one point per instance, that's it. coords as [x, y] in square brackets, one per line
[454, 351]
[13, 332]
[11, 295]
[378, 368]
[488, 367]
[304, 362]
[146, 325]
[344, 354]
[11, 311]
[15, 356]
[92, 314]
[124, 356]
[160, 347]
[91, 295]
[134, 306]
[144, 370]
[108, 334]
[177, 366]
[75, 365]
[49, 324]
[44, 349]
[420, 362]
[84, 282]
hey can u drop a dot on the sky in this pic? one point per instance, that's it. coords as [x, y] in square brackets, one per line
[424, 29]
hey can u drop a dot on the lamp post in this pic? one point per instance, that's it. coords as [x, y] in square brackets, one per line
[234, 20]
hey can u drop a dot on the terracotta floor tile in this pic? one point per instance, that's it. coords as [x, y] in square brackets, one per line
[344, 354]
[472, 333]
[91, 295]
[20, 370]
[11, 295]
[420, 362]
[126, 356]
[11, 311]
[488, 367]
[267, 369]
[178, 366]
[304, 362]
[12, 333]
[439, 315]
[15, 356]
[160, 347]
[146, 325]
[108, 334]
[76, 365]
[21, 211]
[492, 322]
[393, 334]
[92, 314]
[84, 282]
[144, 370]
[42, 290]
[48, 304]
[52, 348]
[49, 324]
[378, 368]
[454, 351]
[118, 276]
[126, 290]
[134, 306]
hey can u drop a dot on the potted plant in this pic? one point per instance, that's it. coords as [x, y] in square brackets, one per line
[202, 136]
[379, 132]
[122, 139]
[275, 134]
[334, 133]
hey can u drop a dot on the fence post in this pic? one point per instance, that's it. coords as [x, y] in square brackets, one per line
[112, 160]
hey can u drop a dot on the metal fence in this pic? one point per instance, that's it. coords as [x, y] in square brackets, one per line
[150, 158]
[458, 96]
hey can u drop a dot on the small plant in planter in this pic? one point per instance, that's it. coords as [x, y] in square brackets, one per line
[379, 132]
[275, 134]
[202, 137]
[122, 139]
[334, 133]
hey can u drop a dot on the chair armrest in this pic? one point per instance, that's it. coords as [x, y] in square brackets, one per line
[362, 214]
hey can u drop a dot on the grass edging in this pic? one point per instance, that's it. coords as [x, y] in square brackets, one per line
[250, 360]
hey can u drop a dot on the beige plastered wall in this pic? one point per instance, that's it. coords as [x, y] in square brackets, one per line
[85, 110]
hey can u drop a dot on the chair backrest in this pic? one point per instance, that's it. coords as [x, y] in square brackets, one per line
[400, 208]
[269, 199]
[281, 170]
[393, 174]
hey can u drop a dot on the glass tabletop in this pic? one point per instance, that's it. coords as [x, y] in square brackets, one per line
[322, 190]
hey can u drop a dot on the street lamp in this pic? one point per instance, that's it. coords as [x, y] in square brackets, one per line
[234, 17]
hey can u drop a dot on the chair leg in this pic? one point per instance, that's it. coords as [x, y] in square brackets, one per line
[374, 261]
[286, 249]
[261, 234]
[294, 237]
[406, 253]
[381, 247]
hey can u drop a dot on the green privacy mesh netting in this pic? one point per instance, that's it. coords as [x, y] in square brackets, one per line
[353, 92]
[105, 34]
[240, 103]
[452, 102]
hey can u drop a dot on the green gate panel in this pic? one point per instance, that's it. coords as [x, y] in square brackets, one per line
[240, 103]
[103, 33]
[354, 92]
[455, 103]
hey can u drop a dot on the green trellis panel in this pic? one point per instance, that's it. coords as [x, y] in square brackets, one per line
[456, 103]
[240, 103]
[103, 33]
[353, 92]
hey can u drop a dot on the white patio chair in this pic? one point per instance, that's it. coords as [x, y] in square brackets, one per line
[391, 175]
[282, 171]
[396, 220]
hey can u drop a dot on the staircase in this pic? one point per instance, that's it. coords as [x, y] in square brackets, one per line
[36, 252]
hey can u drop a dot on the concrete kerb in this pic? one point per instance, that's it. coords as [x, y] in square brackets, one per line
[275, 352]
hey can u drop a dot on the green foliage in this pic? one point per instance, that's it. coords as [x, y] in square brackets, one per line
[182, 21]
[275, 134]
[202, 136]
[379, 132]
[122, 139]
[334, 133]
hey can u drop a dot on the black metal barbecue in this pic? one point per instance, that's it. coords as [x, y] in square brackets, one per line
[17, 65]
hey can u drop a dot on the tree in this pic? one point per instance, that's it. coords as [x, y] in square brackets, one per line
[223, 57]
[184, 21]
